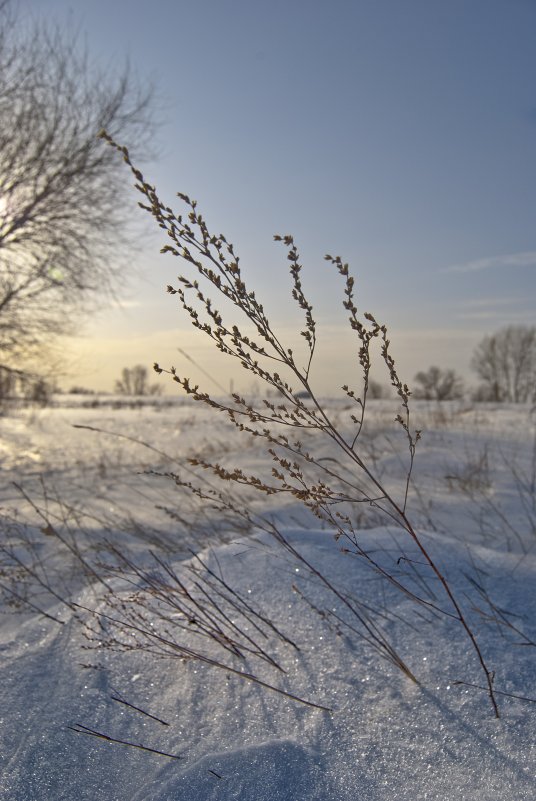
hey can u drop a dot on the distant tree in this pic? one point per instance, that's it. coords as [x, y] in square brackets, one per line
[63, 196]
[39, 391]
[8, 384]
[76, 390]
[506, 364]
[377, 391]
[134, 381]
[439, 385]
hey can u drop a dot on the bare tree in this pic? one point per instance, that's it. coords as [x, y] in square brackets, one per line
[63, 197]
[506, 364]
[133, 381]
[439, 385]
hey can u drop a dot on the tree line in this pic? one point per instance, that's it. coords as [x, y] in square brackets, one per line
[505, 363]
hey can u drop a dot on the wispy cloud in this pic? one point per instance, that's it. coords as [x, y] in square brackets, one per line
[125, 304]
[509, 309]
[526, 259]
[480, 303]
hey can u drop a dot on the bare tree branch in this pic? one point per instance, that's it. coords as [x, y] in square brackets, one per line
[64, 204]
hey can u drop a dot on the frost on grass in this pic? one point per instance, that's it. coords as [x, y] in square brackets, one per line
[385, 738]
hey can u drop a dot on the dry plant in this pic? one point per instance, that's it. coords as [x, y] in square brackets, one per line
[328, 488]
[133, 592]
[151, 608]
[490, 472]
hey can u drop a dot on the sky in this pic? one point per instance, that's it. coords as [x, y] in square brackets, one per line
[398, 135]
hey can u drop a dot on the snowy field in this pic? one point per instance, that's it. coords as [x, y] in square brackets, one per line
[137, 615]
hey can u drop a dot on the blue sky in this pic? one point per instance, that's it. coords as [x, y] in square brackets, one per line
[400, 135]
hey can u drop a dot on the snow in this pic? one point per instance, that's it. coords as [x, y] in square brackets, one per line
[384, 737]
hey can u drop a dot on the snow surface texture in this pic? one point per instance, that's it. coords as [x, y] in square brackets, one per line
[384, 738]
